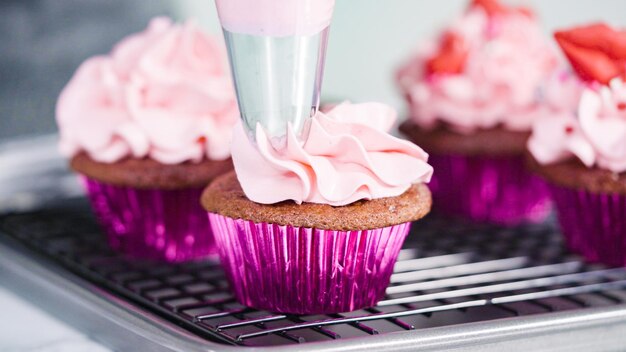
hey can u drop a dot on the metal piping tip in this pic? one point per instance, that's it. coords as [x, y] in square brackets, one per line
[277, 77]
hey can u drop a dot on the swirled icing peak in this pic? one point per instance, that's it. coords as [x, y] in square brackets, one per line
[485, 69]
[595, 134]
[347, 156]
[164, 94]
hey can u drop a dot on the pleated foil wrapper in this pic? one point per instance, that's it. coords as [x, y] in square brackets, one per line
[593, 224]
[163, 225]
[488, 189]
[306, 271]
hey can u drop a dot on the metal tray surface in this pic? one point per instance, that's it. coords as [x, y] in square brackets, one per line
[456, 285]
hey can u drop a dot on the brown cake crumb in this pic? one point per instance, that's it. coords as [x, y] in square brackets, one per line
[573, 173]
[496, 141]
[225, 197]
[150, 174]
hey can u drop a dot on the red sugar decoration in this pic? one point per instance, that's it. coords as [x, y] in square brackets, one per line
[494, 7]
[451, 56]
[597, 52]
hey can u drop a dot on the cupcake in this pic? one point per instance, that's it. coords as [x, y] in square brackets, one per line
[315, 226]
[581, 151]
[147, 128]
[473, 94]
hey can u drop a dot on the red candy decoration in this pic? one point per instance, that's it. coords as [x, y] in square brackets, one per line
[451, 57]
[491, 7]
[494, 7]
[596, 52]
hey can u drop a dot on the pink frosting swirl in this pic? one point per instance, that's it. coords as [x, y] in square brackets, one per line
[506, 58]
[347, 156]
[275, 17]
[561, 93]
[595, 133]
[164, 94]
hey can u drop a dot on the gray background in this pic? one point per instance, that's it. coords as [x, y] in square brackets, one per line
[43, 41]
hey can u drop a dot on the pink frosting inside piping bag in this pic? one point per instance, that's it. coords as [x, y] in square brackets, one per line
[275, 17]
[165, 93]
[595, 133]
[506, 58]
[348, 156]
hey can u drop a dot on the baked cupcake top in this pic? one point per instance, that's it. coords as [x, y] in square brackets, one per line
[593, 128]
[347, 155]
[225, 197]
[164, 94]
[484, 70]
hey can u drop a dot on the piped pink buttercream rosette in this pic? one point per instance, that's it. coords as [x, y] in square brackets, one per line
[594, 128]
[348, 156]
[486, 69]
[164, 94]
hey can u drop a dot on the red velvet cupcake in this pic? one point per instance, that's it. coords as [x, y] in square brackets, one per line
[582, 151]
[147, 128]
[473, 95]
[316, 225]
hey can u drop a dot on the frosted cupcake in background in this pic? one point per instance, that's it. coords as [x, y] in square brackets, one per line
[148, 127]
[582, 150]
[474, 93]
[316, 226]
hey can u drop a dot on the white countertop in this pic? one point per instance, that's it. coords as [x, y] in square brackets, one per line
[24, 327]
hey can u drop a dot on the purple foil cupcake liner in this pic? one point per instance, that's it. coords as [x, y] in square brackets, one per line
[165, 225]
[306, 271]
[593, 224]
[488, 189]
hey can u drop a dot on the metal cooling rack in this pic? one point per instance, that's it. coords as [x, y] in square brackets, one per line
[450, 277]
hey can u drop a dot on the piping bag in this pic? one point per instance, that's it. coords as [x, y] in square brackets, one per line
[277, 51]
